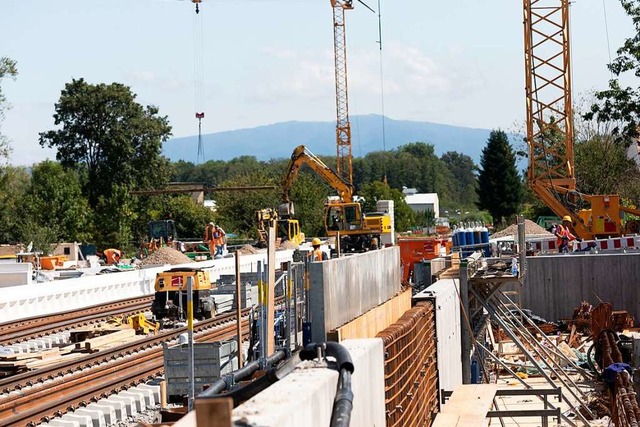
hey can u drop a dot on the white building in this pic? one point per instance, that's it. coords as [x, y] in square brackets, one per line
[420, 202]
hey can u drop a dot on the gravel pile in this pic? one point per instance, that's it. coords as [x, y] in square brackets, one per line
[530, 227]
[247, 250]
[166, 256]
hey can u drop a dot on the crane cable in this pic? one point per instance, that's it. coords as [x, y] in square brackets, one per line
[384, 141]
[198, 76]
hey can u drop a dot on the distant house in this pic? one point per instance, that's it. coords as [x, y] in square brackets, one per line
[211, 205]
[421, 202]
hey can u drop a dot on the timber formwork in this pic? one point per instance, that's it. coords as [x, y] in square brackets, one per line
[411, 380]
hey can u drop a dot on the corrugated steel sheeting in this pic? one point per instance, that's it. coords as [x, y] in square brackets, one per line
[345, 288]
[411, 382]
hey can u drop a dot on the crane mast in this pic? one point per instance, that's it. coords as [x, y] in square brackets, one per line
[343, 127]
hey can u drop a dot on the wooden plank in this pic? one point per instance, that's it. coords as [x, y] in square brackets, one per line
[94, 343]
[214, 412]
[471, 402]
[375, 320]
[35, 355]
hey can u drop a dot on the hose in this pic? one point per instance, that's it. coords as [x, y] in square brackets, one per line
[343, 401]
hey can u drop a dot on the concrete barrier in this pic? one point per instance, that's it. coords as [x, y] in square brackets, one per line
[17, 273]
[41, 299]
[345, 288]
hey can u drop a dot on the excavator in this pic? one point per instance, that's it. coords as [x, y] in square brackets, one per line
[550, 137]
[343, 215]
[287, 228]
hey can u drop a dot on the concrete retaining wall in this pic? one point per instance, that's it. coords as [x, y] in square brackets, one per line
[39, 299]
[555, 285]
[345, 288]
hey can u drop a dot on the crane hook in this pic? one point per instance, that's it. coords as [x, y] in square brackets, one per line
[197, 9]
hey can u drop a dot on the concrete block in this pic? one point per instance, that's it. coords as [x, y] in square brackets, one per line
[131, 408]
[119, 406]
[149, 397]
[108, 411]
[138, 399]
[59, 422]
[82, 420]
[24, 347]
[97, 417]
[155, 390]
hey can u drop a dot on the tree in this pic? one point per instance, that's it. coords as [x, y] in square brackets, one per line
[617, 103]
[7, 69]
[464, 180]
[109, 137]
[14, 183]
[377, 190]
[499, 185]
[54, 201]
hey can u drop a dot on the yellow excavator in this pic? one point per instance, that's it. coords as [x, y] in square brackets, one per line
[343, 215]
[287, 229]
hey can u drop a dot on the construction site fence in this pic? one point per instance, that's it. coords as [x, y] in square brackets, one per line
[411, 381]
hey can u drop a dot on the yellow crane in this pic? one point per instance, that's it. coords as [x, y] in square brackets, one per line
[550, 137]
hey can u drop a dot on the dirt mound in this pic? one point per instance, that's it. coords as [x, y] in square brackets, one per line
[166, 256]
[288, 244]
[247, 250]
[530, 227]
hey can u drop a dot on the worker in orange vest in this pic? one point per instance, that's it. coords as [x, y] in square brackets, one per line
[210, 239]
[318, 254]
[564, 235]
[112, 256]
[220, 238]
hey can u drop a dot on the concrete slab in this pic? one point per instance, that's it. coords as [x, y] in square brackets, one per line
[138, 397]
[108, 411]
[119, 406]
[97, 417]
[59, 422]
[129, 402]
[155, 392]
[82, 420]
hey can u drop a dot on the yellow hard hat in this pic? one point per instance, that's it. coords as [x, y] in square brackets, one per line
[566, 218]
[316, 242]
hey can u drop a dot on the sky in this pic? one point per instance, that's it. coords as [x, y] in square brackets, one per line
[268, 61]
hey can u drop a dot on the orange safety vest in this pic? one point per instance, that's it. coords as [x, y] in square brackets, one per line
[112, 256]
[317, 254]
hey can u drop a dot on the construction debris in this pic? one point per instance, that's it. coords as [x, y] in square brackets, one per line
[166, 256]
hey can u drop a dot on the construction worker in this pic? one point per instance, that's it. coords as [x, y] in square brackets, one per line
[564, 235]
[112, 256]
[210, 239]
[220, 238]
[317, 254]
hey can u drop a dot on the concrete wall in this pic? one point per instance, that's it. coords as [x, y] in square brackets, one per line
[344, 288]
[555, 285]
[305, 397]
[15, 273]
[39, 299]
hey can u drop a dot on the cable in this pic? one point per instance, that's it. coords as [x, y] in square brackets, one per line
[198, 78]
[384, 141]
[606, 29]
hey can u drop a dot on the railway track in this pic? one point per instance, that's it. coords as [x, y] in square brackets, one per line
[36, 396]
[37, 327]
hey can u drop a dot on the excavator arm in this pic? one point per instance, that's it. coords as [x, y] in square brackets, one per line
[302, 155]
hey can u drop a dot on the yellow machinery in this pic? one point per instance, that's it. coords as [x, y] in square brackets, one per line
[343, 215]
[141, 325]
[170, 300]
[287, 229]
[551, 172]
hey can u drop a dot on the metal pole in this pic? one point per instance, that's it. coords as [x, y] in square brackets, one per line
[238, 309]
[466, 334]
[192, 379]
[523, 247]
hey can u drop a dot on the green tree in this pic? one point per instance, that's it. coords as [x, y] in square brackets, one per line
[377, 190]
[464, 180]
[499, 185]
[108, 136]
[308, 195]
[7, 69]
[114, 217]
[620, 104]
[54, 201]
[14, 183]
[190, 217]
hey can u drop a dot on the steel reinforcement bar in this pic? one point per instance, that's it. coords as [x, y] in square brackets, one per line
[411, 383]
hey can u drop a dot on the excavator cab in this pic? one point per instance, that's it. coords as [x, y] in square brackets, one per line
[343, 217]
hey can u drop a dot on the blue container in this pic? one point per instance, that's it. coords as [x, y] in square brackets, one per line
[485, 235]
[469, 237]
[462, 238]
[477, 236]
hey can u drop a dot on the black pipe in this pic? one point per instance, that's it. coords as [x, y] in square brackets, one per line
[249, 369]
[343, 402]
[342, 356]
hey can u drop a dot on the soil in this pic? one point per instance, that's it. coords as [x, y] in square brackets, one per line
[166, 256]
[530, 227]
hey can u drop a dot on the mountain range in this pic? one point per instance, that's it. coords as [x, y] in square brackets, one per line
[276, 141]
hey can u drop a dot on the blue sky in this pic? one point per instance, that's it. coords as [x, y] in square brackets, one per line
[267, 61]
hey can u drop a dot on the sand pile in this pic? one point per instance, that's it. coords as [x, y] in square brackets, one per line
[530, 228]
[166, 256]
[247, 250]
